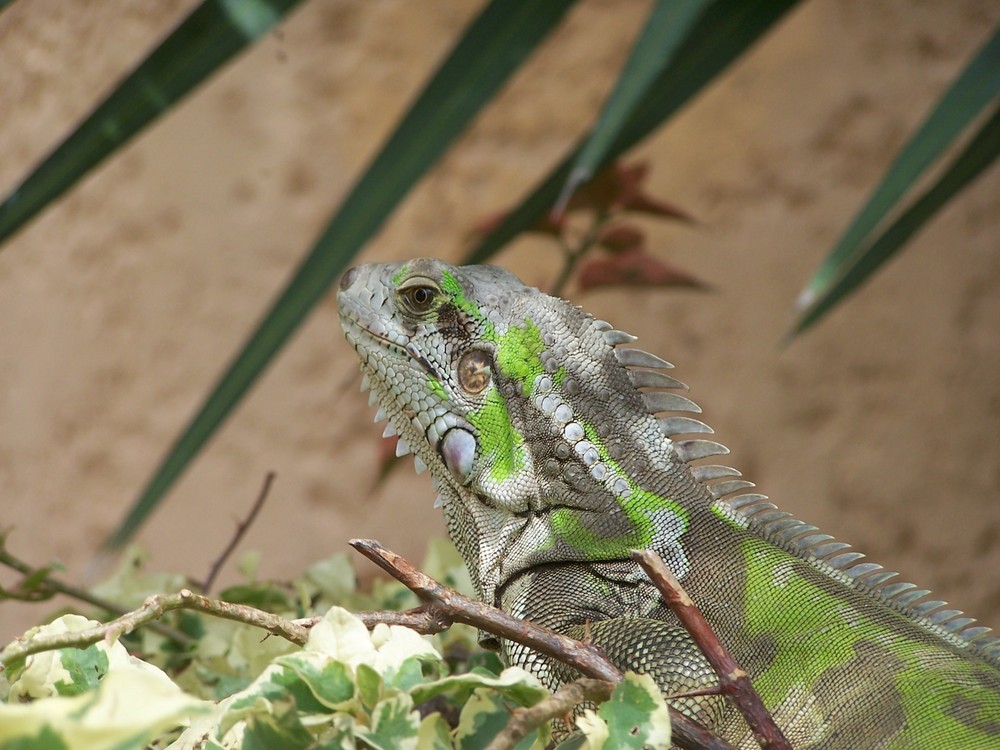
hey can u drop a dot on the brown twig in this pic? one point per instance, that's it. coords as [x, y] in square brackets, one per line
[241, 530]
[583, 657]
[733, 679]
[426, 620]
[524, 720]
[151, 609]
[458, 608]
[51, 586]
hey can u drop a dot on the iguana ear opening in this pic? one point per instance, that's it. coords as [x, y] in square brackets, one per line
[475, 371]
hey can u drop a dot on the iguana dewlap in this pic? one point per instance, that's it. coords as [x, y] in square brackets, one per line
[556, 449]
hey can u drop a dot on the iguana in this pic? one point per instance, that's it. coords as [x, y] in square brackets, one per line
[557, 448]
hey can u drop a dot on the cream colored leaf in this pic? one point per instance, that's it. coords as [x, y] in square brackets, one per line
[344, 637]
[43, 672]
[134, 705]
[594, 728]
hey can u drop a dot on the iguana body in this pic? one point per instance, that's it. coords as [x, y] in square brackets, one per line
[547, 440]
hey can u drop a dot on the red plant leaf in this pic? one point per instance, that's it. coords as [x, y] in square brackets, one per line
[607, 188]
[618, 238]
[646, 204]
[634, 268]
[620, 186]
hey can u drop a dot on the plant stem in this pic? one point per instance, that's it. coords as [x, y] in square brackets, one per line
[573, 256]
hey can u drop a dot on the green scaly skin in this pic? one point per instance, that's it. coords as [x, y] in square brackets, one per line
[557, 449]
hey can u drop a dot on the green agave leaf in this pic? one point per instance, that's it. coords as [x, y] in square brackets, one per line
[494, 46]
[980, 153]
[721, 34]
[669, 22]
[215, 31]
[968, 96]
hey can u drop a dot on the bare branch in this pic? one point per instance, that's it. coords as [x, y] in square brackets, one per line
[241, 530]
[733, 679]
[50, 586]
[524, 720]
[426, 620]
[458, 608]
[583, 657]
[153, 608]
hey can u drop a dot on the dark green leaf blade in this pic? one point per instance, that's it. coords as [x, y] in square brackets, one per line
[726, 30]
[981, 151]
[722, 33]
[668, 24]
[966, 98]
[493, 46]
[215, 31]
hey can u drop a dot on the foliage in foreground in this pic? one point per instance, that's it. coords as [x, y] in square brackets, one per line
[347, 688]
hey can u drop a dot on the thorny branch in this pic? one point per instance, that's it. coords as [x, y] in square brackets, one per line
[458, 608]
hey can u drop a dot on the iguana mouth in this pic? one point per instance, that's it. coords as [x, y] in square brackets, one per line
[356, 326]
[409, 350]
[424, 363]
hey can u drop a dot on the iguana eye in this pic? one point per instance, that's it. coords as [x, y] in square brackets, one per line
[417, 295]
[475, 371]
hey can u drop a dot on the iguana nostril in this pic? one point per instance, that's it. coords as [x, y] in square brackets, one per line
[348, 278]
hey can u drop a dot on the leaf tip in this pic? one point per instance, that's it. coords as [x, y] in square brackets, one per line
[576, 178]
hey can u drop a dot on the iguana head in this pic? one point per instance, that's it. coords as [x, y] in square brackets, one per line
[535, 425]
[430, 351]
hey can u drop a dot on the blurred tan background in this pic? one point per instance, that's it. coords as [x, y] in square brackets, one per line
[120, 306]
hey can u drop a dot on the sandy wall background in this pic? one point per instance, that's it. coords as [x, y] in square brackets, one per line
[120, 306]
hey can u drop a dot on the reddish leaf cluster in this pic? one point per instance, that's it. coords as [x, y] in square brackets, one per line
[626, 261]
[620, 189]
[634, 268]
